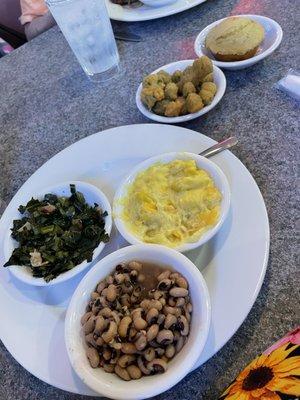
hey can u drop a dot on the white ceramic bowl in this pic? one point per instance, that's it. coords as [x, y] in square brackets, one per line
[273, 37]
[219, 79]
[110, 385]
[92, 195]
[157, 3]
[202, 162]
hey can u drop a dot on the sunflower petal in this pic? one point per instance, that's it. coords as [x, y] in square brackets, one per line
[260, 361]
[227, 391]
[285, 385]
[243, 374]
[233, 388]
[240, 396]
[279, 355]
[270, 396]
[290, 366]
[258, 393]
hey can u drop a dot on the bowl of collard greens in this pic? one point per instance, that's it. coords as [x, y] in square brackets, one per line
[55, 234]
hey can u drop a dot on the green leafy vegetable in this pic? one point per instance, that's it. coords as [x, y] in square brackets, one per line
[56, 234]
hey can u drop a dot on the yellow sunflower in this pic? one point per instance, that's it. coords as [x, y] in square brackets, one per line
[266, 375]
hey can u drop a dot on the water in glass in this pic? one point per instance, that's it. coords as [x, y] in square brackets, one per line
[87, 28]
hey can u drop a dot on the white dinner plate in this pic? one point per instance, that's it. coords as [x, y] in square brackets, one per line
[145, 13]
[233, 263]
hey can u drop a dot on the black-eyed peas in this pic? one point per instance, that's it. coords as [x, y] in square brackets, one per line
[138, 318]
[134, 372]
[124, 326]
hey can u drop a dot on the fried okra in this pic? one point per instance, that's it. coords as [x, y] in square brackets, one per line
[173, 109]
[194, 103]
[202, 67]
[176, 76]
[150, 95]
[188, 75]
[153, 79]
[207, 92]
[160, 107]
[164, 76]
[188, 88]
[182, 92]
[209, 78]
[171, 91]
[183, 110]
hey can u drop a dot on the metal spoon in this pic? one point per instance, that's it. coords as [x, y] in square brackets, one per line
[220, 146]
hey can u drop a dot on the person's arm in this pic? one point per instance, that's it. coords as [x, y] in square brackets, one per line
[39, 25]
[35, 17]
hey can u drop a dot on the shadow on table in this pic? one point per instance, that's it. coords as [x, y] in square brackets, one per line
[77, 84]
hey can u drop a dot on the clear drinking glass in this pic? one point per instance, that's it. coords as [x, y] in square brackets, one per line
[87, 28]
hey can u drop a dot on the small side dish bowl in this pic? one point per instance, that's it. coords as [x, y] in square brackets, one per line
[110, 385]
[272, 39]
[219, 79]
[92, 195]
[214, 171]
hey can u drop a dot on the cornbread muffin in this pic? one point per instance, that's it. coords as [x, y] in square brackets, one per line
[235, 39]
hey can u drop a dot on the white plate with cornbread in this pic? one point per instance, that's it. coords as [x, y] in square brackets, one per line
[240, 41]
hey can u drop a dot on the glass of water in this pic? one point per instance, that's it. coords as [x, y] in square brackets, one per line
[87, 28]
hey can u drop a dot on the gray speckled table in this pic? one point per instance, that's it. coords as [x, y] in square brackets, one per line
[47, 103]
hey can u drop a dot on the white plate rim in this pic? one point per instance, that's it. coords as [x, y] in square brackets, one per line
[183, 118]
[169, 10]
[244, 63]
[209, 141]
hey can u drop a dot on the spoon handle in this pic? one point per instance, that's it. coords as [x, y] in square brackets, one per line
[220, 146]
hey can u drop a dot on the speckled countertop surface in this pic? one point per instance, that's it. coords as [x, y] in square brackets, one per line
[47, 104]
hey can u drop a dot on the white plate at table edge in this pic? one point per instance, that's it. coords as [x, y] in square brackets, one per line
[244, 273]
[145, 13]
